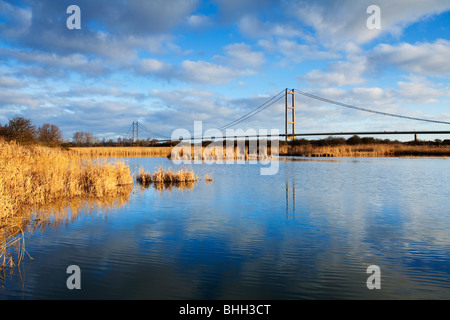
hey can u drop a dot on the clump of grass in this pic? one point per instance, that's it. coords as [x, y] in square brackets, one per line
[208, 178]
[165, 179]
[144, 178]
[166, 176]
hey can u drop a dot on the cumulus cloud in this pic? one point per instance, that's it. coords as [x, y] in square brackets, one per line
[419, 90]
[337, 22]
[252, 26]
[243, 56]
[292, 51]
[199, 21]
[54, 63]
[209, 73]
[111, 30]
[421, 58]
[48, 71]
[339, 73]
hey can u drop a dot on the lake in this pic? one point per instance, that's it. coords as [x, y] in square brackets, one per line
[308, 232]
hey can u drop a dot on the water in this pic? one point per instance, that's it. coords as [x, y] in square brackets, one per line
[308, 232]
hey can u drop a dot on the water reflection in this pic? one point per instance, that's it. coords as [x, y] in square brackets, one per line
[290, 193]
[14, 230]
[168, 186]
[315, 159]
[309, 232]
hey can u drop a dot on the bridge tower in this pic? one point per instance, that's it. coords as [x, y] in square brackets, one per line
[135, 136]
[286, 116]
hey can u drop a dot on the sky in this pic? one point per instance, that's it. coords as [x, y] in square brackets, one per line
[168, 63]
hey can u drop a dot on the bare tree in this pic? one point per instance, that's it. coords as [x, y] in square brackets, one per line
[49, 134]
[20, 129]
[89, 138]
[83, 138]
[78, 138]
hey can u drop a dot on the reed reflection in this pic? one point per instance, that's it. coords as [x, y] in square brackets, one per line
[15, 229]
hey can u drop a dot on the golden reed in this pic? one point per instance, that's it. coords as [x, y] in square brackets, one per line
[166, 176]
[125, 152]
[36, 175]
[375, 150]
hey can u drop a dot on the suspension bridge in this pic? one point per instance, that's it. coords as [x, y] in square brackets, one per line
[289, 121]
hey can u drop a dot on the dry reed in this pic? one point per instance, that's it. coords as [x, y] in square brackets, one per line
[166, 176]
[123, 152]
[219, 154]
[166, 179]
[35, 175]
[375, 150]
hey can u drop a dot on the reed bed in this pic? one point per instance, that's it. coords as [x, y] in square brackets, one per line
[36, 178]
[165, 179]
[239, 153]
[35, 175]
[166, 176]
[122, 152]
[376, 150]
[220, 154]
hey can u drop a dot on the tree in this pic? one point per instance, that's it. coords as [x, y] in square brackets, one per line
[78, 138]
[83, 138]
[354, 140]
[21, 130]
[49, 134]
[89, 138]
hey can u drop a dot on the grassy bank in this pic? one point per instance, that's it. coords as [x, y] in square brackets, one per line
[36, 175]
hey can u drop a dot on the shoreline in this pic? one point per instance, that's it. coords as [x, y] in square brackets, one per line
[286, 150]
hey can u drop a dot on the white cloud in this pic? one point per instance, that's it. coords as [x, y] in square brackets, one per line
[340, 73]
[243, 56]
[422, 58]
[293, 51]
[210, 73]
[53, 62]
[337, 22]
[253, 27]
[199, 21]
[17, 20]
[418, 90]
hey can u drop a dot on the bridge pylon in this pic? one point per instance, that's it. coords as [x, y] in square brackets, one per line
[289, 136]
[135, 131]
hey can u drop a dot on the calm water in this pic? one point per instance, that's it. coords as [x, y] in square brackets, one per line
[308, 232]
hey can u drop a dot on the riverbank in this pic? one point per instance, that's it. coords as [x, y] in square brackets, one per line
[375, 150]
[285, 149]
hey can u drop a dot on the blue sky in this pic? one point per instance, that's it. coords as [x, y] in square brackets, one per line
[169, 63]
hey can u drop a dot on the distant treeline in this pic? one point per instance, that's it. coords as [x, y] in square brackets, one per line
[23, 131]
